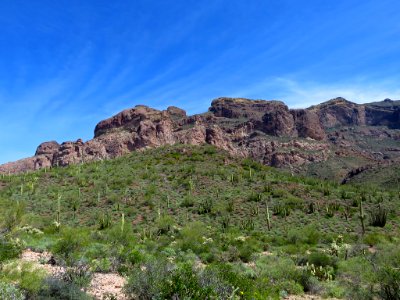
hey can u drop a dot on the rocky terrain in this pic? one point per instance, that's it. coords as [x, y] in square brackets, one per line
[331, 140]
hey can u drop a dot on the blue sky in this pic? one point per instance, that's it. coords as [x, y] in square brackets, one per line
[67, 64]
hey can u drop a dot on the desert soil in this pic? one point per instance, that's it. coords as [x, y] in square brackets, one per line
[102, 284]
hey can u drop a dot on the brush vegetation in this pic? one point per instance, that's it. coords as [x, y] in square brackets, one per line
[187, 222]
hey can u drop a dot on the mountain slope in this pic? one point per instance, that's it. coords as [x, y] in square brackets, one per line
[196, 222]
[301, 140]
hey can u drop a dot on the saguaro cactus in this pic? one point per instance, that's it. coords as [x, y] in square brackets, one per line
[268, 219]
[362, 218]
[122, 222]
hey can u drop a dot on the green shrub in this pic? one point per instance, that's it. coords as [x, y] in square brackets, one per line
[205, 206]
[307, 235]
[164, 224]
[147, 281]
[320, 259]
[255, 197]
[388, 273]
[104, 221]
[227, 281]
[374, 238]
[358, 277]
[26, 275]
[187, 201]
[10, 292]
[10, 248]
[279, 275]
[281, 210]
[13, 214]
[378, 217]
[79, 275]
[70, 243]
[56, 289]
[389, 282]
[117, 237]
[193, 237]
[184, 284]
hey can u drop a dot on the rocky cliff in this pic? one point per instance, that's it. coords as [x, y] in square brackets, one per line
[268, 131]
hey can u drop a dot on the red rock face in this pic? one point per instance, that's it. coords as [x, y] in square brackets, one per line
[308, 124]
[47, 148]
[265, 130]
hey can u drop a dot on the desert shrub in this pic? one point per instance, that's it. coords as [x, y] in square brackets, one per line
[184, 284]
[389, 282]
[56, 289]
[164, 224]
[374, 238]
[188, 201]
[10, 292]
[293, 202]
[135, 256]
[279, 193]
[248, 163]
[247, 224]
[9, 248]
[104, 221]
[320, 259]
[388, 273]
[205, 206]
[333, 289]
[358, 276]
[193, 237]
[227, 281]
[307, 235]
[310, 283]
[101, 265]
[159, 279]
[117, 236]
[26, 275]
[378, 217]
[255, 197]
[71, 241]
[280, 275]
[79, 275]
[281, 210]
[13, 214]
[147, 281]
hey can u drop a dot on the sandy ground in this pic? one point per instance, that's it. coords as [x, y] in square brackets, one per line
[102, 284]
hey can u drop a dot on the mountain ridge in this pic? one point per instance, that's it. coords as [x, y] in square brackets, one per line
[267, 131]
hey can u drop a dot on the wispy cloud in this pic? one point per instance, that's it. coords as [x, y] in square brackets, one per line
[302, 94]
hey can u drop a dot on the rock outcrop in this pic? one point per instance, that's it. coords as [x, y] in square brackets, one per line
[268, 131]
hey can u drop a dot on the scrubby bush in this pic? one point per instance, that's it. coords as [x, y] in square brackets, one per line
[79, 275]
[164, 224]
[10, 292]
[320, 259]
[26, 275]
[194, 237]
[56, 289]
[10, 248]
[70, 243]
[13, 214]
[388, 273]
[374, 238]
[280, 275]
[306, 235]
[147, 281]
[378, 217]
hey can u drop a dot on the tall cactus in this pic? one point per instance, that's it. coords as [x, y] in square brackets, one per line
[268, 219]
[58, 208]
[362, 218]
[122, 222]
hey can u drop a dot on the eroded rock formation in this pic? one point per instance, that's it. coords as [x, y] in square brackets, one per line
[268, 131]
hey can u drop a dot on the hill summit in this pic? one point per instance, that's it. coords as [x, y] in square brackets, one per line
[298, 139]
